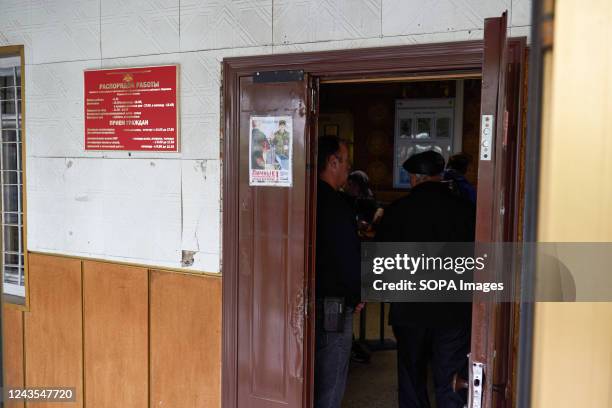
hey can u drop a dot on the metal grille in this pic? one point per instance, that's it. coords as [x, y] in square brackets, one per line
[11, 179]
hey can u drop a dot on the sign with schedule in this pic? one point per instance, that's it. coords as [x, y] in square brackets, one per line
[132, 109]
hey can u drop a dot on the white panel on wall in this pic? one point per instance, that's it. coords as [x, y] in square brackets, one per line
[16, 25]
[521, 12]
[111, 208]
[298, 21]
[142, 209]
[54, 106]
[46, 207]
[84, 199]
[139, 27]
[402, 17]
[201, 191]
[65, 30]
[216, 24]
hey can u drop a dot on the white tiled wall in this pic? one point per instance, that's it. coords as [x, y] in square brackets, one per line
[65, 30]
[216, 24]
[299, 21]
[148, 207]
[139, 27]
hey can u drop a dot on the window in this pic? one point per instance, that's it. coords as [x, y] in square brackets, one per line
[11, 178]
[420, 125]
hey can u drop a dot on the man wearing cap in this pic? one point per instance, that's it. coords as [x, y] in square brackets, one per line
[430, 213]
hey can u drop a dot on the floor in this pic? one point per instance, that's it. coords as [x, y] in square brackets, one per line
[373, 385]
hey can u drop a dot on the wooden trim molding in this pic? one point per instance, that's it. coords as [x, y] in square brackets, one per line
[135, 264]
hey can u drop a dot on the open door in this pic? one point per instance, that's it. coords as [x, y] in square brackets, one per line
[498, 209]
[272, 248]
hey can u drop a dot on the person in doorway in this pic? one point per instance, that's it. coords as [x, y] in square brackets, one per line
[455, 174]
[364, 203]
[430, 213]
[337, 273]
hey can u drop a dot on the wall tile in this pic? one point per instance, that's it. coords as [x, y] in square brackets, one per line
[54, 106]
[201, 192]
[215, 24]
[521, 12]
[142, 209]
[139, 27]
[297, 21]
[65, 30]
[402, 17]
[16, 25]
[45, 203]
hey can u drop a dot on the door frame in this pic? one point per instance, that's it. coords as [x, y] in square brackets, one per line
[463, 57]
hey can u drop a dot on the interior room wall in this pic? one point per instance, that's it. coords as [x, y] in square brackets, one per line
[371, 108]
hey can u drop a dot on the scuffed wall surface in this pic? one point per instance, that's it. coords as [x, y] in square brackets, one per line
[150, 207]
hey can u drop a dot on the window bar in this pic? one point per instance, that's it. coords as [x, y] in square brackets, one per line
[20, 270]
[2, 206]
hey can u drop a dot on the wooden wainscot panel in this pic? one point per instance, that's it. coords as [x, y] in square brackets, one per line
[185, 340]
[12, 320]
[115, 310]
[53, 327]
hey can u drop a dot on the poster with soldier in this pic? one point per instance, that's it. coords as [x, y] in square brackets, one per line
[270, 151]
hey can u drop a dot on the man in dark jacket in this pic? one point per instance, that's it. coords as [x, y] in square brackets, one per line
[430, 213]
[337, 274]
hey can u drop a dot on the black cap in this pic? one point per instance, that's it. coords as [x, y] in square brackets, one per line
[430, 163]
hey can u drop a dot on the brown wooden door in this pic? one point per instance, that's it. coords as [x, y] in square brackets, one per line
[272, 257]
[498, 205]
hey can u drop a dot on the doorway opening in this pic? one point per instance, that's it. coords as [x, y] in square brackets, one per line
[268, 257]
[383, 123]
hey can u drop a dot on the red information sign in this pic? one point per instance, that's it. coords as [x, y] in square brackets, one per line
[132, 109]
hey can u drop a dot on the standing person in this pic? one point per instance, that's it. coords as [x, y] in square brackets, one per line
[430, 213]
[455, 174]
[362, 199]
[337, 275]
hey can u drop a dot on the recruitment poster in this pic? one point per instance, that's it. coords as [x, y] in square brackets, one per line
[132, 109]
[270, 151]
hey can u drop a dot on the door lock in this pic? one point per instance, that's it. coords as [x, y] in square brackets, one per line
[477, 378]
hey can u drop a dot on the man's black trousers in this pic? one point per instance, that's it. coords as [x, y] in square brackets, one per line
[447, 350]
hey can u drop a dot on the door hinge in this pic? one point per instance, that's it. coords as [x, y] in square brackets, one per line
[306, 302]
[477, 378]
[314, 98]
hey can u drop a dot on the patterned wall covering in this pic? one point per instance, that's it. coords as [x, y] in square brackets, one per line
[148, 207]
